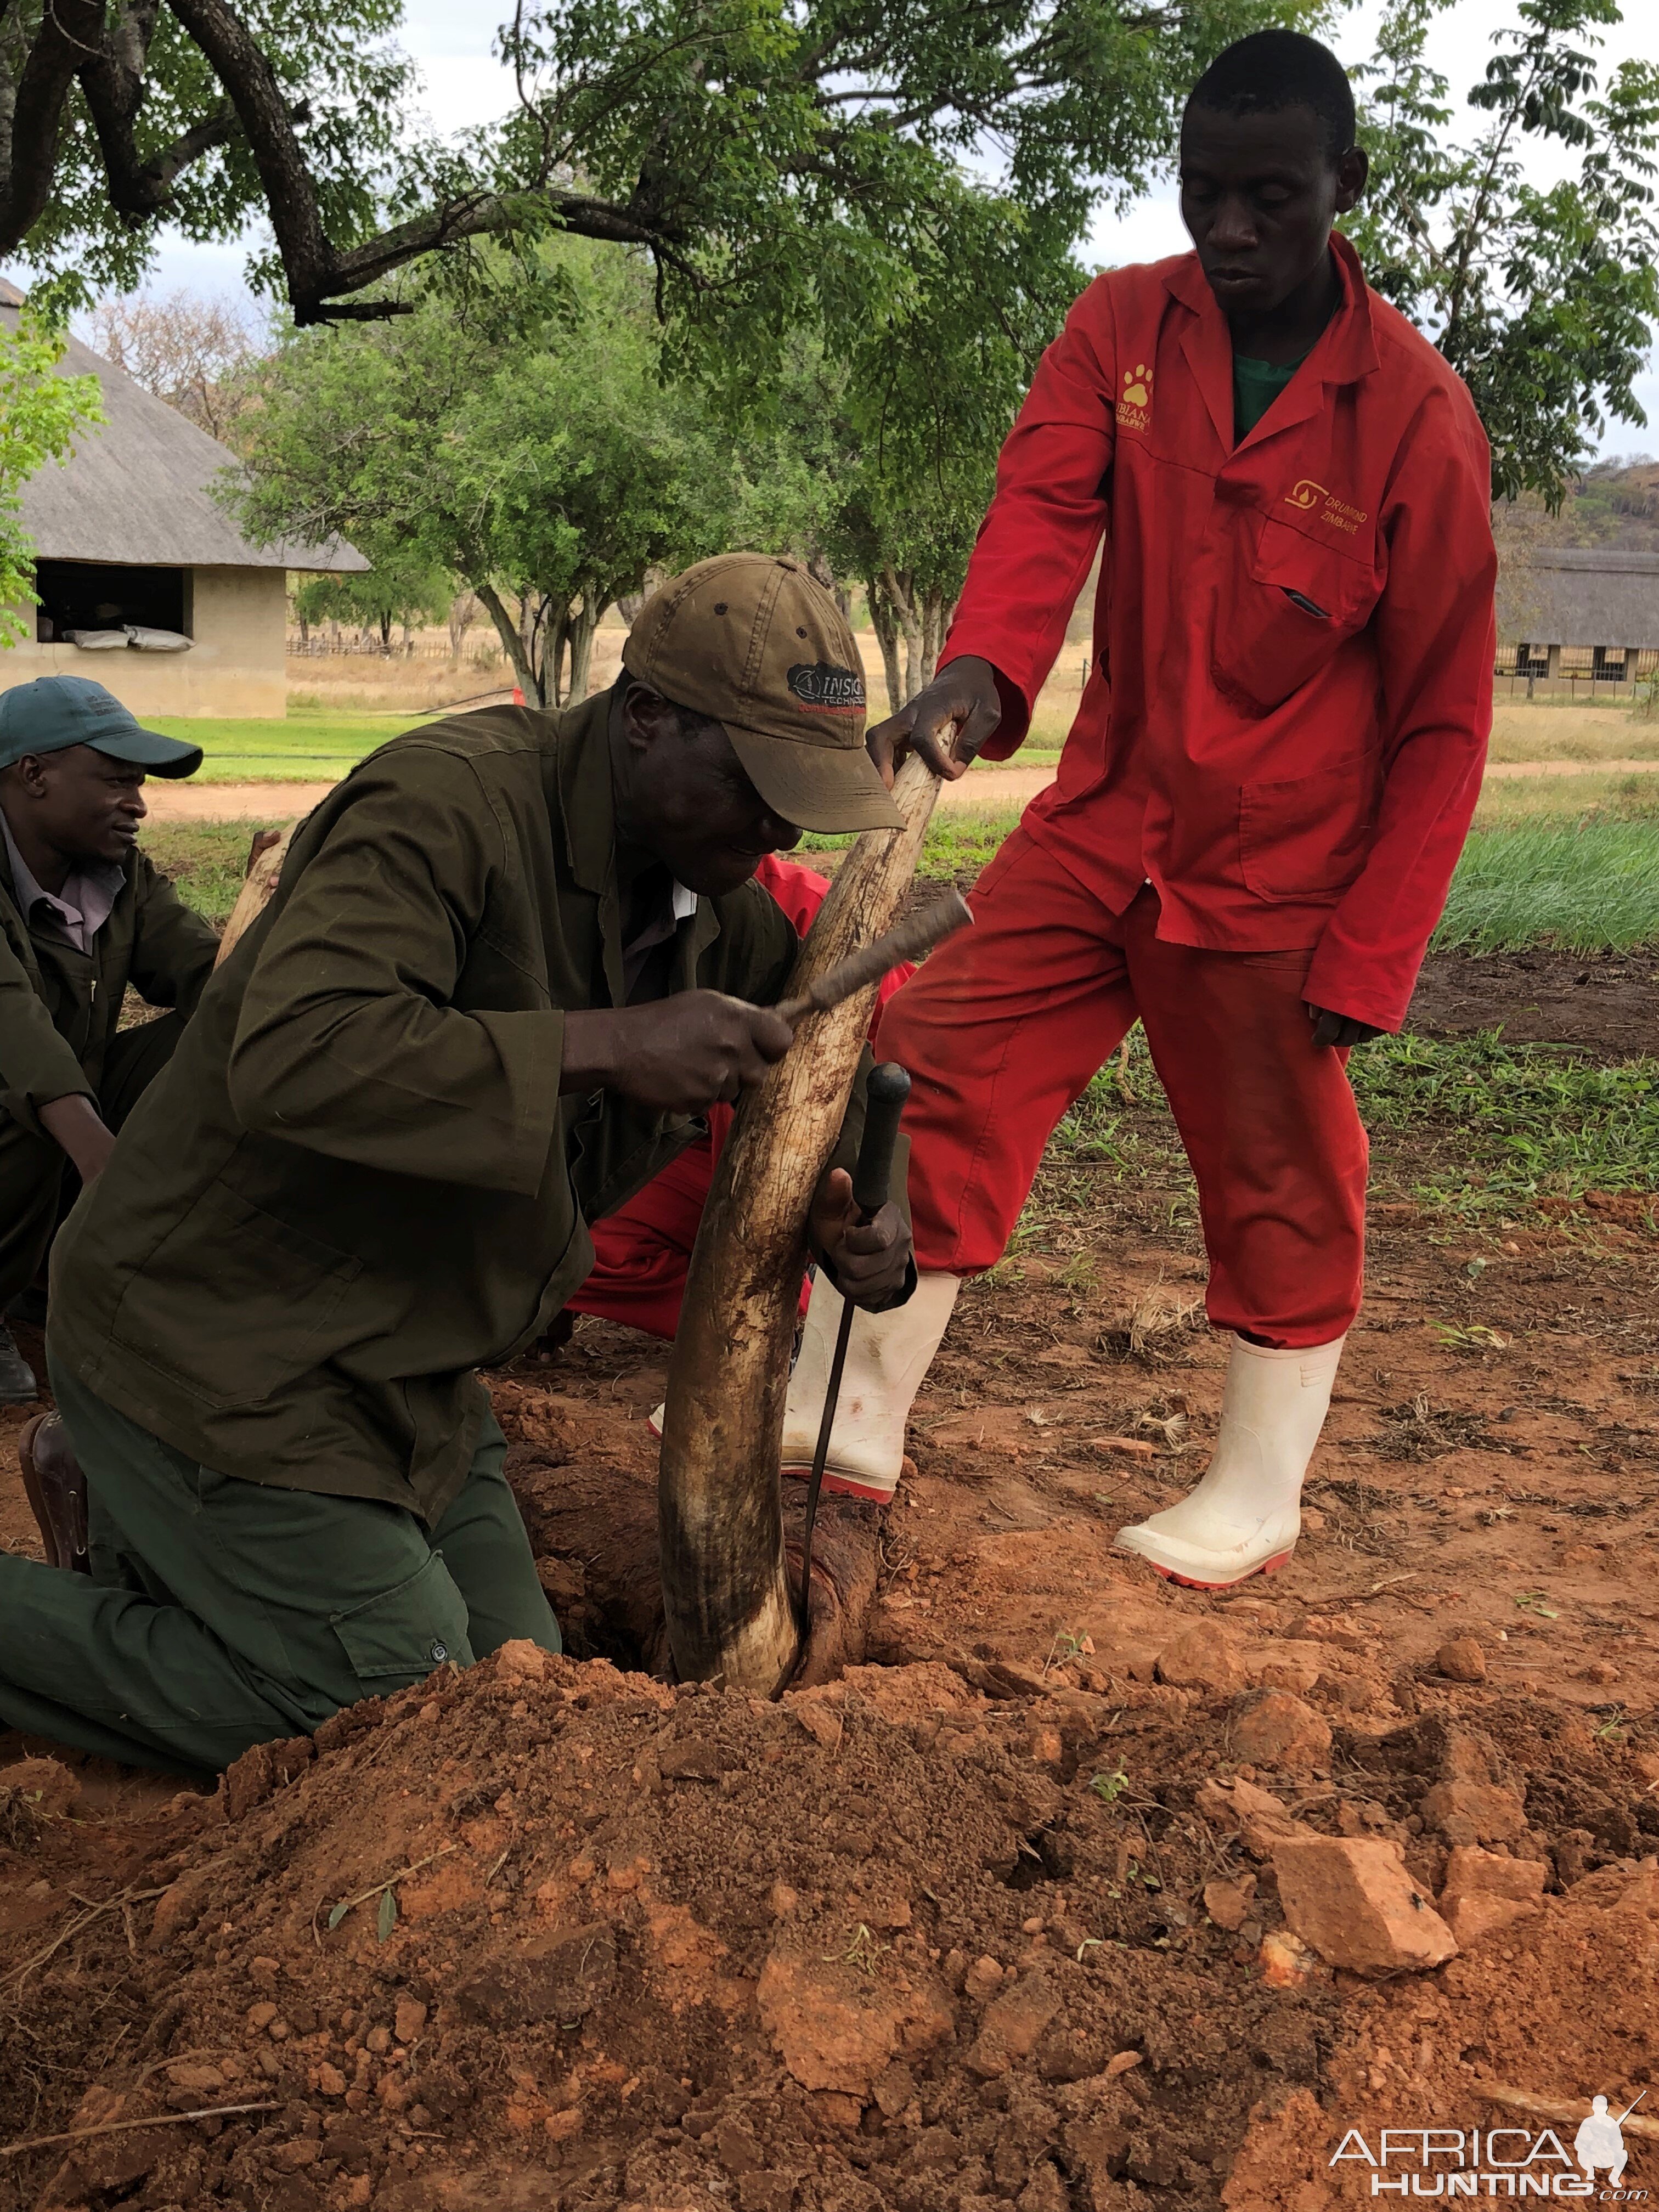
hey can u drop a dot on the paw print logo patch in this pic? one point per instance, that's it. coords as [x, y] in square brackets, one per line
[1134, 405]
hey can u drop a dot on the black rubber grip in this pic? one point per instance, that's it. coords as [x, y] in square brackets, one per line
[884, 1100]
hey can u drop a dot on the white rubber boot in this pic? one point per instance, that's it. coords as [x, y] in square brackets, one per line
[1245, 1516]
[887, 1356]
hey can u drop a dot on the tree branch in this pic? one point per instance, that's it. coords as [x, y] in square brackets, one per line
[233, 53]
[113, 86]
[480, 215]
[71, 34]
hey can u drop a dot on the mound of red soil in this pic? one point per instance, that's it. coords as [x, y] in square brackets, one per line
[932, 1938]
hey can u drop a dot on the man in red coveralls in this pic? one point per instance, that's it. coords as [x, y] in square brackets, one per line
[1261, 799]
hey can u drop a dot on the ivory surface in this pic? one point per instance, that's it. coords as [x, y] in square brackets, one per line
[724, 1590]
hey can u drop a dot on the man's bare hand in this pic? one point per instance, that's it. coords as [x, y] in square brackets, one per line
[74, 1123]
[870, 1259]
[946, 724]
[1340, 1030]
[678, 1055]
[261, 843]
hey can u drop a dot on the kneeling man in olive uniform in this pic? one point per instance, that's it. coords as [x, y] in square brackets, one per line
[82, 915]
[507, 963]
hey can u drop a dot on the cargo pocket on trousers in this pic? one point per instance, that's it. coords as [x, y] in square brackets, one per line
[398, 1638]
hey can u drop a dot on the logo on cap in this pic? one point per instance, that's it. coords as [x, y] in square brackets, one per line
[827, 690]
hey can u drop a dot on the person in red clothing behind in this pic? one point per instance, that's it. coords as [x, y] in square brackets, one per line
[641, 1252]
[1260, 802]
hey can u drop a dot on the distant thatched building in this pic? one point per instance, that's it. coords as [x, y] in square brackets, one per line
[144, 581]
[1589, 610]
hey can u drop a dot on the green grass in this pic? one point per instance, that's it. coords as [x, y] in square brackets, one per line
[1587, 882]
[1473, 1126]
[1512, 1123]
[206, 860]
[313, 745]
[1584, 887]
[960, 841]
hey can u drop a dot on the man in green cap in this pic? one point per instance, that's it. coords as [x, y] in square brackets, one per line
[507, 962]
[82, 915]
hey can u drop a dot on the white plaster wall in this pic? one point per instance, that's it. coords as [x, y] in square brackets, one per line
[235, 667]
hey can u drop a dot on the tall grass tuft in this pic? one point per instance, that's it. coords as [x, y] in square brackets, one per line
[1582, 887]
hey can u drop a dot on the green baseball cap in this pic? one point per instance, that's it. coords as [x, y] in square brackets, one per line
[56, 712]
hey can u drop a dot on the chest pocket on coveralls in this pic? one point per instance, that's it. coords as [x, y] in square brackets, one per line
[1282, 610]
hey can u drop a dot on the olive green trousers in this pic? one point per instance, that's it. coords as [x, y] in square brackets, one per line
[222, 1613]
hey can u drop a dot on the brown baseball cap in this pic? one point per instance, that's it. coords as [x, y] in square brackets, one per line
[752, 642]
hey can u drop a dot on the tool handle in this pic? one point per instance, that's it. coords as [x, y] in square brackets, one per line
[909, 941]
[885, 1096]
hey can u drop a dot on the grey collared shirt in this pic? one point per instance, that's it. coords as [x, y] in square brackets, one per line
[81, 908]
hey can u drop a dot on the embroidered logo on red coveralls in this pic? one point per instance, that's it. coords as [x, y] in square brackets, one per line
[1135, 406]
[1305, 495]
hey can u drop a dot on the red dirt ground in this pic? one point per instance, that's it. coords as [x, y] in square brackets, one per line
[973, 1926]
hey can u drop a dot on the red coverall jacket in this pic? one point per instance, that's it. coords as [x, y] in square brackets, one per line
[1286, 714]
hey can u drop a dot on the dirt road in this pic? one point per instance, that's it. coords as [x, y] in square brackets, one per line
[985, 787]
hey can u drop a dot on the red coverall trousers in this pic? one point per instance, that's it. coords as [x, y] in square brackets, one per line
[1008, 1023]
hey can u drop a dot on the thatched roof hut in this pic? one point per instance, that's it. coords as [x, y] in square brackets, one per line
[130, 539]
[1592, 603]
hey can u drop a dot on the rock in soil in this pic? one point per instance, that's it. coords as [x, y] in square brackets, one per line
[1352, 1899]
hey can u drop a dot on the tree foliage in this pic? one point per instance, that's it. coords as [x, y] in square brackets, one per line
[402, 590]
[779, 159]
[540, 456]
[1540, 296]
[40, 413]
[877, 464]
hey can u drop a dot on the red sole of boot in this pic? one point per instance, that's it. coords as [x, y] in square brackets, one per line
[837, 1486]
[1191, 1582]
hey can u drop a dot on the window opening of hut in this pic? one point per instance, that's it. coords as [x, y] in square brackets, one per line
[96, 596]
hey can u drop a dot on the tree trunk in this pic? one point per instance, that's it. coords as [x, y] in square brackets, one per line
[386, 635]
[818, 568]
[583, 624]
[935, 620]
[512, 642]
[886, 629]
[902, 599]
[726, 1593]
[462, 608]
[556, 636]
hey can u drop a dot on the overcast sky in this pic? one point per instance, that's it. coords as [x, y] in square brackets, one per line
[451, 40]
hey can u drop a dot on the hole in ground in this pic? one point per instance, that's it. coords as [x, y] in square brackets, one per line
[593, 1530]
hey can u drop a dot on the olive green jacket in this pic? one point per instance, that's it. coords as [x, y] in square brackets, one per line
[356, 1182]
[60, 1007]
